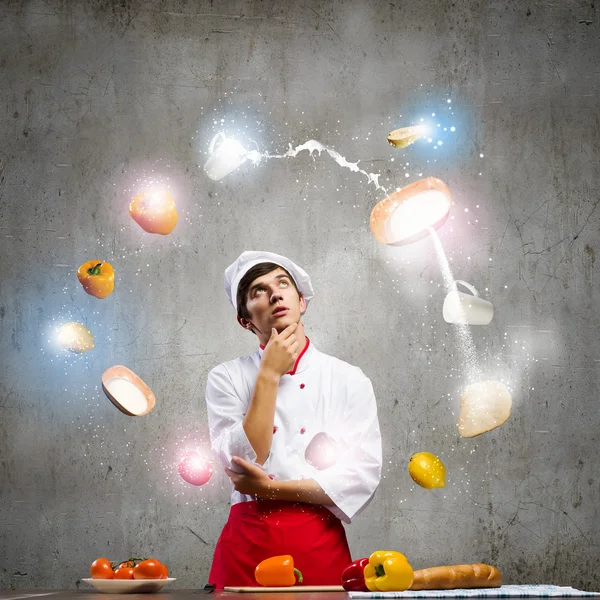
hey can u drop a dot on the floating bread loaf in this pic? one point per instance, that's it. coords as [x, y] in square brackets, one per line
[457, 577]
[484, 406]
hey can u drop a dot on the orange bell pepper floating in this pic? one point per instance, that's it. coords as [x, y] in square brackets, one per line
[277, 571]
[97, 278]
[154, 211]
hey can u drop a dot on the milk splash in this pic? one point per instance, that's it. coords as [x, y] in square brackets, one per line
[315, 146]
[465, 344]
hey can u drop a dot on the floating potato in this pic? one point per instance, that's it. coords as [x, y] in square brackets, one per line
[405, 136]
[484, 406]
[76, 337]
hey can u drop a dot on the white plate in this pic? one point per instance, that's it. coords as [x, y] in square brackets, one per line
[128, 586]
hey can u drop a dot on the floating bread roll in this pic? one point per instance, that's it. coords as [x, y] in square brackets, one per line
[127, 391]
[76, 337]
[405, 136]
[484, 406]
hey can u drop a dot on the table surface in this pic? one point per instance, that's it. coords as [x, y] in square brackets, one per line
[198, 594]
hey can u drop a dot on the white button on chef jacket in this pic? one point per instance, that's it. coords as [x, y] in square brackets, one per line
[321, 394]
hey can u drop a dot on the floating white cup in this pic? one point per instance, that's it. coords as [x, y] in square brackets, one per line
[466, 309]
[225, 156]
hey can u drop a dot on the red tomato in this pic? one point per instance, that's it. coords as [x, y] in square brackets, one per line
[149, 569]
[165, 571]
[124, 573]
[102, 569]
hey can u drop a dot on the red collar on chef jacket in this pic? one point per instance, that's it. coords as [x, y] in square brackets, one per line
[293, 371]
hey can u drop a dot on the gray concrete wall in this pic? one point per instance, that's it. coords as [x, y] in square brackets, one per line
[97, 94]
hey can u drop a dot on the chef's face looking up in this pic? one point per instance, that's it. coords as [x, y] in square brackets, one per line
[269, 300]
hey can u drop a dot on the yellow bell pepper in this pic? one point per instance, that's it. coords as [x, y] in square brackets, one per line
[97, 278]
[154, 211]
[388, 571]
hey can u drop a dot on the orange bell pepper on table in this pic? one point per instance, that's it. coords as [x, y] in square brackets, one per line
[277, 571]
[97, 278]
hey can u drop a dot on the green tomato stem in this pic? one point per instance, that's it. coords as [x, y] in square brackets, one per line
[133, 560]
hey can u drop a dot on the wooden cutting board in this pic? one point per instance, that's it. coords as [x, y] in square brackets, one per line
[291, 588]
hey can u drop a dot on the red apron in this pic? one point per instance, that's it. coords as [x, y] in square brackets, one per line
[263, 528]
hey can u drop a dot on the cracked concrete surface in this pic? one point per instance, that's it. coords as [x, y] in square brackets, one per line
[97, 93]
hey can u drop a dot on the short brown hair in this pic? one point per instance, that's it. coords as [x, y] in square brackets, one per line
[252, 274]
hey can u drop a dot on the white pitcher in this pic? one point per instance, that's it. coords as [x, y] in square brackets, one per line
[466, 309]
[225, 156]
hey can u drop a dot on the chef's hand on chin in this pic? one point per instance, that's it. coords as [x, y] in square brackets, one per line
[252, 480]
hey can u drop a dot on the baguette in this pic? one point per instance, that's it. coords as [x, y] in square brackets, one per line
[457, 577]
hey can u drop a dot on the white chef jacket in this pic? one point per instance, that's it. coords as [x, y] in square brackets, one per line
[320, 394]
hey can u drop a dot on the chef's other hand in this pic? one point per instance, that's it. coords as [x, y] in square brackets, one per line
[281, 350]
[250, 479]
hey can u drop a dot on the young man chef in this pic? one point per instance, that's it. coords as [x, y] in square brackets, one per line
[288, 495]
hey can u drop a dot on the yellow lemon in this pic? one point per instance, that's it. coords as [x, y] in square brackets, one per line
[427, 470]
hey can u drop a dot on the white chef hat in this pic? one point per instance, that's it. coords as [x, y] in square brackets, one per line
[235, 271]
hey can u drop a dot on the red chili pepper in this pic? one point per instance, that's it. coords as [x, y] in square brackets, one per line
[353, 579]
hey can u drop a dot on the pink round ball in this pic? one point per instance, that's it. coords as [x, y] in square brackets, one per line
[194, 469]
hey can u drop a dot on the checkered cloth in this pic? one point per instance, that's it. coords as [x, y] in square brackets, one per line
[505, 591]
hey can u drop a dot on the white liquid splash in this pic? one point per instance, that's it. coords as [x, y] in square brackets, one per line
[315, 146]
[465, 344]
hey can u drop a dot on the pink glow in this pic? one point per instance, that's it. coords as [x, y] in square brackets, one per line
[322, 451]
[194, 469]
